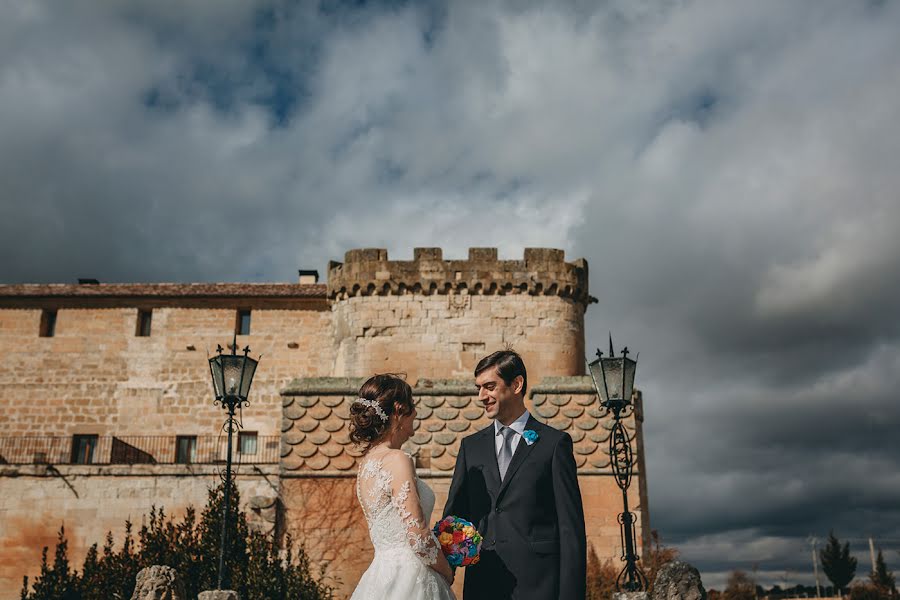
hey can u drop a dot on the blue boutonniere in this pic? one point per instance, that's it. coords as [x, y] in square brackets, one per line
[530, 436]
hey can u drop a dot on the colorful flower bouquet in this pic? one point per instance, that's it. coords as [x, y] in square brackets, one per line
[459, 540]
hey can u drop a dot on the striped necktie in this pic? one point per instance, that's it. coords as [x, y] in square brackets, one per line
[505, 456]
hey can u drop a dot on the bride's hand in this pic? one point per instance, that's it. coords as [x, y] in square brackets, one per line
[443, 568]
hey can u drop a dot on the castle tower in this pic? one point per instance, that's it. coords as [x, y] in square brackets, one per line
[435, 318]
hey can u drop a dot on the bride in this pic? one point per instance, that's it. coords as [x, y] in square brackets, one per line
[408, 563]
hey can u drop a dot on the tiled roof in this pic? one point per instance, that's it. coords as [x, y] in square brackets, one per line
[315, 423]
[164, 290]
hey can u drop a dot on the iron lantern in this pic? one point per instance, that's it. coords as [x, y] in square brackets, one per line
[232, 375]
[613, 378]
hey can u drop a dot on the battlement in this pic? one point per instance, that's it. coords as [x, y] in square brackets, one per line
[543, 271]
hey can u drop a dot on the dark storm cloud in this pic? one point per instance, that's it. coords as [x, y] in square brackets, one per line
[728, 169]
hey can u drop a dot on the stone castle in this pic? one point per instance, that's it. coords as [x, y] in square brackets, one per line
[109, 399]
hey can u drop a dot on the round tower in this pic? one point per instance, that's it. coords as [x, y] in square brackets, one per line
[434, 319]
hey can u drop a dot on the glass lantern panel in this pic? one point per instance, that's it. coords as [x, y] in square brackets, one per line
[249, 370]
[630, 367]
[232, 367]
[215, 368]
[597, 375]
[612, 369]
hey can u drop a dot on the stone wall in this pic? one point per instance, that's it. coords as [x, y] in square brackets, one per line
[446, 335]
[436, 318]
[96, 376]
[89, 501]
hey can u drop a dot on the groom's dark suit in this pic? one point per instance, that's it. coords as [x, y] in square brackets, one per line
[533, 523]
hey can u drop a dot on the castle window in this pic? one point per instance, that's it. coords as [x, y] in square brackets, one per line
[83, 447]
[143, 323]
[48, 323]
[242, 325]
[247, 442]
[186, 449]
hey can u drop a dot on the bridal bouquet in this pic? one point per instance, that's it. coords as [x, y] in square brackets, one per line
[459, 540]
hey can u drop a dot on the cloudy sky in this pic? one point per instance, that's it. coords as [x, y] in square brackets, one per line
[729, 169]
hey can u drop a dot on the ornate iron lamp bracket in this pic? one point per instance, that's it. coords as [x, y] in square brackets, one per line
[631, 578]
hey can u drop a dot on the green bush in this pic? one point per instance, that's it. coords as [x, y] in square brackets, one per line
[867, 591]
[255, 566]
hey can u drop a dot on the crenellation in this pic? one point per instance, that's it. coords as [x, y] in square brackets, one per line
[543, 271]
[426, 254]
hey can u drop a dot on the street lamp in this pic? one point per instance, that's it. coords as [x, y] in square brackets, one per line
[613, 378]
[232, 375]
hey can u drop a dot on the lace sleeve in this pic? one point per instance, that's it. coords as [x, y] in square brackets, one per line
[405, 498]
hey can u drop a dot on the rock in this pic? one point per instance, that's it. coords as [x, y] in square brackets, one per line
[218, 595]
[630, 596]
[678, 580]
[158, 583]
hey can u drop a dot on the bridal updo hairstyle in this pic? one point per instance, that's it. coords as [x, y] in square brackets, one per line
[392, 394]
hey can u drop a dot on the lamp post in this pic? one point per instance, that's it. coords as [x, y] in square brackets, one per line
[232, 375]
[613, 378]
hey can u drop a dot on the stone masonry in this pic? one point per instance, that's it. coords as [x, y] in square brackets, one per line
[434, 318]
[429, 318]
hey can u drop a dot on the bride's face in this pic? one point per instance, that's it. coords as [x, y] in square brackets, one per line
[406, 425]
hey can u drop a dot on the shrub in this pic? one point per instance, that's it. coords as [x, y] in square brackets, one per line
[867, 591]
[739, 587]
[601, 577]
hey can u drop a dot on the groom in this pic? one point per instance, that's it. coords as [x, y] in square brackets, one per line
[516, 481]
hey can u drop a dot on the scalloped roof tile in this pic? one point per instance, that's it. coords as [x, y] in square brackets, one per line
[294, 411]
[316, 423]
[333, 425]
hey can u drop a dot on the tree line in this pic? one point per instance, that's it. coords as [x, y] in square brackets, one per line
[837, 563]
[840, 569]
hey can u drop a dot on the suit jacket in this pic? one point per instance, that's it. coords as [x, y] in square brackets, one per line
[533, 522]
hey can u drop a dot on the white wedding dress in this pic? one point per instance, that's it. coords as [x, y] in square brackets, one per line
[397, 506]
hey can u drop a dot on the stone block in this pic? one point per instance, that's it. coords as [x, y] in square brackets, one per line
[678, 580]
[218, 595]
[535, 256]
[427, 254]
[482, 254]
[631, 596]
[158, 583]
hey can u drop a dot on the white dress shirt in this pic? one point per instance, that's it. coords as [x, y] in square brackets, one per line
[518, 426]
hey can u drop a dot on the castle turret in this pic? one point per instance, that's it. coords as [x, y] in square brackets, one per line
[434, 318]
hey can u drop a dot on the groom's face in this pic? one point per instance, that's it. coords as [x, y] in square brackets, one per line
[501, 401]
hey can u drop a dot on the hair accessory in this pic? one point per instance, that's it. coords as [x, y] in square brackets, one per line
[372, 404]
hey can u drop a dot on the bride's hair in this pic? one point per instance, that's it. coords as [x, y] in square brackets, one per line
[387, 395]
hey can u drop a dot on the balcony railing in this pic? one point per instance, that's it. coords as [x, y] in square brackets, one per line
[130, 450]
